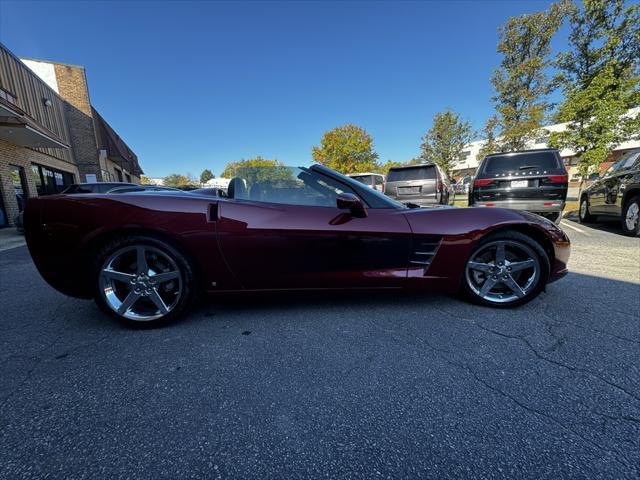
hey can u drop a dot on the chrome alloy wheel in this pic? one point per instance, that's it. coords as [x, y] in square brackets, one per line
[503, 271]
[632, 217]
[583, 209]
[140, 283]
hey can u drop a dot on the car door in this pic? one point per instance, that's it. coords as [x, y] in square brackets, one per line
[596, 195]
[283, 240]
[614, 192]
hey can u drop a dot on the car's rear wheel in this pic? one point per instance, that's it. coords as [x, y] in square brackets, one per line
[631, 217]
[583, 213]
[505, 270]
[143, 281]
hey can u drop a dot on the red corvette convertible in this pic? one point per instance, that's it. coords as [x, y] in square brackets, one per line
[144, 256]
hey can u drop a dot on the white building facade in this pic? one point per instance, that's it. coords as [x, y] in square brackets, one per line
[471, 158]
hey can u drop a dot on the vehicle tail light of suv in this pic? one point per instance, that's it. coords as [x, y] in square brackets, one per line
[481, 182]
[555, 179]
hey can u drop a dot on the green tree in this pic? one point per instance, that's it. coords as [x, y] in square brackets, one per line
[144, 180]
[176, 180]
[521, 84]
[490, 144]
[600, 81]
[347, 149]
[257, 169]
[389, 164]
[206, 175]
[445, 140]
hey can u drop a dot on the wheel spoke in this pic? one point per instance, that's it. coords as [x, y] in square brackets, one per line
[128, 302]
[517, 266]
[155, 297]
[481, 267]
[513, 286]
[488, 284]
[141, 260]
[164, 277]
[500, 253]
[120, 276]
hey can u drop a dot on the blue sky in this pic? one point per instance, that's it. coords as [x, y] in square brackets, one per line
[193, 85]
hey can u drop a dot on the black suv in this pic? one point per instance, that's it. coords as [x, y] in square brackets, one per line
[615, 194]
[532, 180]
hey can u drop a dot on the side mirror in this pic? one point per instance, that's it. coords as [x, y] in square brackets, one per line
[348, 201]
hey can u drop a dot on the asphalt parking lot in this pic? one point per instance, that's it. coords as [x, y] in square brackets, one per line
[334, 386]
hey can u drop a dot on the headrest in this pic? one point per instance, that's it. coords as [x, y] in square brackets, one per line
[237, 188]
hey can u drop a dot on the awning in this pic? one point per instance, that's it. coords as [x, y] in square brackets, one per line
[14, 131]
[117, 150]
[19, 129]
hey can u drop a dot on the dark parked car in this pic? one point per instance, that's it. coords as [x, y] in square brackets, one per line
[424, 184]
[615, 194]
[531, 180]
[97, 187]
[144, 258]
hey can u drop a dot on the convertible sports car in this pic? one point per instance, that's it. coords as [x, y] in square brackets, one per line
[144, 256]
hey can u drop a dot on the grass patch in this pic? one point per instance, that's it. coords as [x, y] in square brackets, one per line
[571, 206]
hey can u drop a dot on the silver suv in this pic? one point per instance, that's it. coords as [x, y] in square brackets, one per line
[424, 184]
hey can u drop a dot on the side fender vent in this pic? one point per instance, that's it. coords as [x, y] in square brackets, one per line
[424, 251]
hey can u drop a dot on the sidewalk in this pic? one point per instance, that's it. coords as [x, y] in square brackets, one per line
[10, 238]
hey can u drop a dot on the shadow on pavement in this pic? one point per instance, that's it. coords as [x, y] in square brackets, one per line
[604, 224]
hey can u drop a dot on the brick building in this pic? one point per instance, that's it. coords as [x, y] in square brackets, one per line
[51, 135]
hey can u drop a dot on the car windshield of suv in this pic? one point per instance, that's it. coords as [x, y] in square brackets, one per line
[513, 163]
[366, 179]
[428, 172]
[626, 161]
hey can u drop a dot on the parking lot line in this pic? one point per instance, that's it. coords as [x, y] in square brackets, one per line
[568, 225]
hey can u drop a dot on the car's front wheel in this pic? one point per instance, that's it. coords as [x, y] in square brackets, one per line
[143, 281]
[583, 214]
[505, 270]
[631, 217]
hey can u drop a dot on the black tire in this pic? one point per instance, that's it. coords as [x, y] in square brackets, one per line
[583, 211]
[630, 214]
[555, 217]
[160, 249]
[516, 241]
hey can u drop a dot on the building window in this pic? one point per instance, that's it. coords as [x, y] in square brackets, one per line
[19, 185]
[37, 179]
[118, 174]
[465, 154]
[127, 177]
[50, 181]
[8, 96]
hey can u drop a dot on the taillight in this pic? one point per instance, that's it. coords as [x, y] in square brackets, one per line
[558, 178]
[438, 185]
[482, 181]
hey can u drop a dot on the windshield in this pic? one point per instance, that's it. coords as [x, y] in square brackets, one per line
[427, 172]
[626, 161]
[381, 200]
[366, 179]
